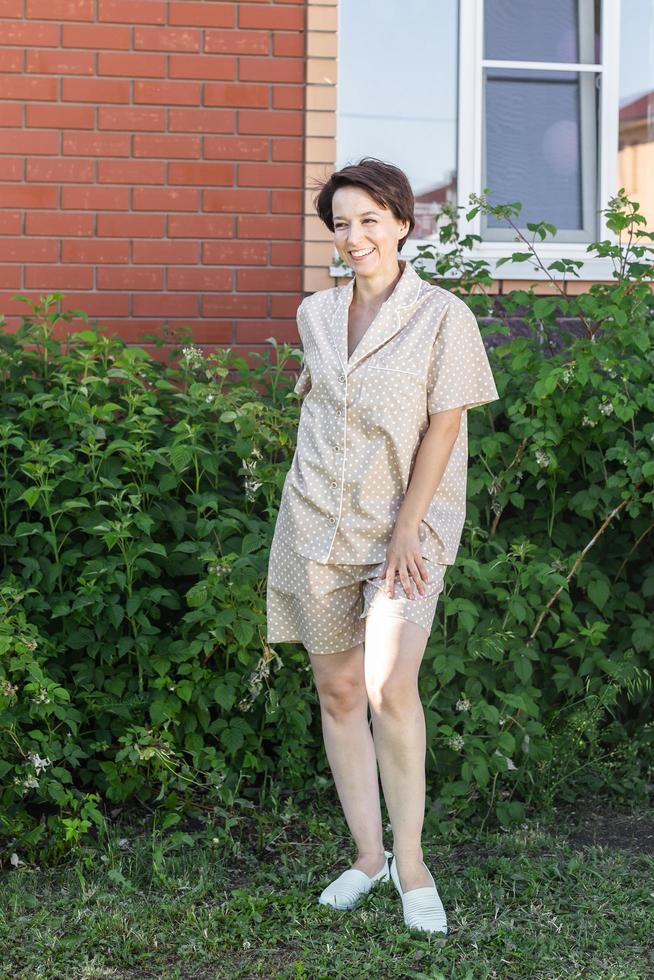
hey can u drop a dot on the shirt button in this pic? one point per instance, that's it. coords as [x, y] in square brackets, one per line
[333, 484]
[337, 449]
[341, 377]
[332, 520]
[339, 412]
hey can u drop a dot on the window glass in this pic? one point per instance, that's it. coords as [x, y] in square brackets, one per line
[532, 30]
[397, 93]
[636, 127]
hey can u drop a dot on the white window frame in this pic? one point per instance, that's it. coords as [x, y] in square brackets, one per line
[469, 163]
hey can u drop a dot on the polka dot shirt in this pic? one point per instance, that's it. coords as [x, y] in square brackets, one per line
[363, 417]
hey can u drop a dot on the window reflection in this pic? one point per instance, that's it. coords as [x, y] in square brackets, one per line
[397, 94]
[636, 127]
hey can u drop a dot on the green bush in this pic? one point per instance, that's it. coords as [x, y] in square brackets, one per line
[138, 500]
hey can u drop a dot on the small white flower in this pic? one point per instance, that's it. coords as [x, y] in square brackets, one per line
[606, 408]
[568, 375]
[463, 704]
[456, 742]
[15, 860]
[39, 763]
[30, 782]
[41, 697]
[210, 398]
[518, 477]
[31, 645]
[542, 458]
[8, 690]
[588, 422]
[502, 721]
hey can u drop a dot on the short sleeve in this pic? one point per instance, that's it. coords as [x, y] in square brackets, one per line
[459, 374]
[303, 383]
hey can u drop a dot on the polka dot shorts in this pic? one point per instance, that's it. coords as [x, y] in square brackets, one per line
[324, 606]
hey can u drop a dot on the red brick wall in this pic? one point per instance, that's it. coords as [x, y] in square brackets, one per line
[151, 163]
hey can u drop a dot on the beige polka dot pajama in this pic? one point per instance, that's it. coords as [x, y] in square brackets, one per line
[362, 419]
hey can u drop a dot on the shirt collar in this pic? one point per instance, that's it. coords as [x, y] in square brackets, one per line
[386, 324]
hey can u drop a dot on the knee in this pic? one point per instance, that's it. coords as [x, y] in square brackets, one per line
[342, 697]
[392, 696]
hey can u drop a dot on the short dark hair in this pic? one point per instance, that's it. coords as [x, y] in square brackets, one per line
[386, 184]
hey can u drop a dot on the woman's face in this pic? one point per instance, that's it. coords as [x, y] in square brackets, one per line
[362, 225]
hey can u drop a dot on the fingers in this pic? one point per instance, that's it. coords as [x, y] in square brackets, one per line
[412, 571]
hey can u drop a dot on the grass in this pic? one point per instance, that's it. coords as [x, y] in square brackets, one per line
[563, 896]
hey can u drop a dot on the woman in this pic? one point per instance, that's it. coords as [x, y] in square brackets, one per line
[372, 510]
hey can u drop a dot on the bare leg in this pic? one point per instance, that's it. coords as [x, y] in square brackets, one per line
[339, 679]
[394, 651]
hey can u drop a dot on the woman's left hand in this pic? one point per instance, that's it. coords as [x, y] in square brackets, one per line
[403, 556]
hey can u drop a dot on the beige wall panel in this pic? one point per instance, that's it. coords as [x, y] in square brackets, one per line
[318, 254]
[315, 279]
[321, 71]
[321, 97]
[321, 44]
[320, 124]
[315, 231]
[322, 18]
[318, 149]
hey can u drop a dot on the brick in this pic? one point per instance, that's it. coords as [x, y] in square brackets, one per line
[235, 305]
[23, 87]
[94, 90]
[61, 171]
[235, 148]
[95, 198]
[239, 94]
[269, 175]
[11, 60]
[131, 225]
[131, 172]
[24, 250]
[271, 17]
[269, 280]
[152, 120]
[205, 280]
[287, 150]
[284, 305]
[132, 11]
[189, 14]
[106, 305]
[202, 67]
[10, 276]
[58, 224]
[60, 62]
[165, 253]
[95, 252]
[234, 201]
[96, 36]
[29, 142]
[132, 65]
[96, 144]
[165, 305]
[288, 45]
[167, 93]
[11, 8]
[288, 97]
[10, 222]
[130, 278]
[61, 116]
[165, 199]
[28, 197]
[271, 70]
[286, 253]
[253, 121]
[60, 9]
[235, 253]
[236, 42]
[267, 227]
[286, 202]
[184, 147]
[58, 277]
[28, 35]
[200, 226]
[166, 39]
[254, 330]
[201, 174]
[11, 168]
[201, 121]
[11, 114]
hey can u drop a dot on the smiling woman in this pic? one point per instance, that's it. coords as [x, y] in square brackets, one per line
[372, 509]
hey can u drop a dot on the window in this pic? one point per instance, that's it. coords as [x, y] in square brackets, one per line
[550, 104]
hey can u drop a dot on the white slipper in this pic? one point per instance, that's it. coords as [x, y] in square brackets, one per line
[422, 907]
[346, 890]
